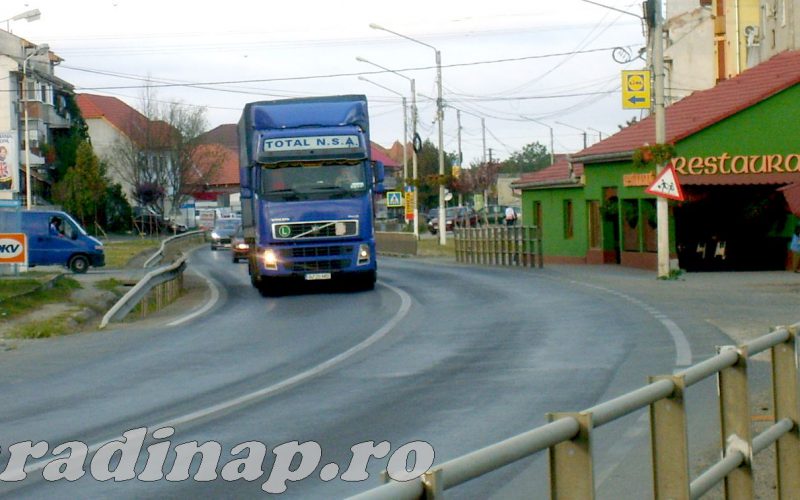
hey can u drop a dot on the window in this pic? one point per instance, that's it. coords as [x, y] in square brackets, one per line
[537, 214]
[569, 226]
[593, 209]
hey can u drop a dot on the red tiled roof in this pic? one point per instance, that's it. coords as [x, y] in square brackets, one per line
[225, 134]
[704, 108]
[556, 174]
[378, 154]
[224, 160]
[135, 126]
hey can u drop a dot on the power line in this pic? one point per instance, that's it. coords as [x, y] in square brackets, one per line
[167, 84]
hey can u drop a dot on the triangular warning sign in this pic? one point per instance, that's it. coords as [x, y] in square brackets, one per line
[666, 185]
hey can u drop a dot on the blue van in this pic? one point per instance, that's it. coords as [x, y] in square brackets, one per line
[55, 238]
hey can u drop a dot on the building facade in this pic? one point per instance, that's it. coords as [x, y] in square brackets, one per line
[135, 149]
[28, 82]
[736, 157]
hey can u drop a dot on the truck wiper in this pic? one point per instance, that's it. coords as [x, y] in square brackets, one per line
[330, 188]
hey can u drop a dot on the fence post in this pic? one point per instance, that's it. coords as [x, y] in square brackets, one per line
[518, 237]
[433, 485]
[455, 244]
[784, 391]
[539, 247]
[571, 468]
[734, 410]
[669, 443]
[499, 244]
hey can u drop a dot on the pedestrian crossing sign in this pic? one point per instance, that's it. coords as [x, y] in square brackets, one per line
[666, 185]
[394, 199]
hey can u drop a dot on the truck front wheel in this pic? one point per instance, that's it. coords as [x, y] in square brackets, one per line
[79, 264]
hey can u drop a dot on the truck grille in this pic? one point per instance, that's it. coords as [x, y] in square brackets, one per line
[320, 265]
[318, 229]
[310, 252]
[317, 259]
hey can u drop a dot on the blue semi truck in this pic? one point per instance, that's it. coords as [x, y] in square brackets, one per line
[307, 191]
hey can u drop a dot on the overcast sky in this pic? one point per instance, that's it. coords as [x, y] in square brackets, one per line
[550, 61]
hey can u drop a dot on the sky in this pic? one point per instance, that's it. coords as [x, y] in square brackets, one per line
[524, 67]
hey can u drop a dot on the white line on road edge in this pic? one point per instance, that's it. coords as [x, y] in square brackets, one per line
[208, 305]
[683, 350]
[266, 392]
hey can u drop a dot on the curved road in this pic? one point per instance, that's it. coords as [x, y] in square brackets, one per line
[456, 356]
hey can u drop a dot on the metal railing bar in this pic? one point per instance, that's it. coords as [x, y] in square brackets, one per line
[168, 241]
[462, 469]
[771, 434]
[715, 474]
[409, 490]
[767, 341]
[628, 403]
[709, 367]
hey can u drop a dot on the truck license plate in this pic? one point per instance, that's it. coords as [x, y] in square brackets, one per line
[318, 276]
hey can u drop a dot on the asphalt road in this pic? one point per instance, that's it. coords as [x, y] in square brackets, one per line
[454, 356]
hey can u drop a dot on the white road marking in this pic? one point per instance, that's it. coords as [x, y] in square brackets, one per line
[405, 306]
[212, 285]
[683, 350]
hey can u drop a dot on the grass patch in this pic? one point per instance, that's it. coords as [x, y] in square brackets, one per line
[431, 247]
[15, 286]
[61, 289]
[119, 253]
[53, 327]
[109, 285]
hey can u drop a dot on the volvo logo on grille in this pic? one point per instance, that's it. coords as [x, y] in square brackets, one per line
[284, 231]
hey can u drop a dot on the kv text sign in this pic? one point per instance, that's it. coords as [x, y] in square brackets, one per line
[13, 248]
[636, 89]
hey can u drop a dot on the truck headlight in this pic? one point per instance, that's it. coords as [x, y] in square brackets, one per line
[270, 259]
[363, 254]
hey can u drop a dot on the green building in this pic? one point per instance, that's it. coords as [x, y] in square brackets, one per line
[736, 151]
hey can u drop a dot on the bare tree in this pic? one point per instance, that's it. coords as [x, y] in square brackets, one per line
[192, 163]
[158, 157]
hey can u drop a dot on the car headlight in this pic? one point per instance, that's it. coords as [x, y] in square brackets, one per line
[242, 246]
[363, 254]
[270, 259]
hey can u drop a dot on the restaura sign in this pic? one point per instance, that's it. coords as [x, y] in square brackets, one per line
[13, 248]
[726, 164]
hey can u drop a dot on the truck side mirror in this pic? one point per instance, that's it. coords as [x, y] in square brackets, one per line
[246, 183]
[379, 176]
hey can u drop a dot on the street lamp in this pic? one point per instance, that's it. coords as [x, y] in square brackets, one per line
[440, 118]
[405, 124]
[599, 133]
[413, 136]
[552, 149]
[576, 128]
[28, 15]
[41, 49]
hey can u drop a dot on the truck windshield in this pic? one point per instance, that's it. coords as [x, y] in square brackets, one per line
[317, 182]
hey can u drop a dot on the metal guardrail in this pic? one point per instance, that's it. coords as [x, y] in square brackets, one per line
[164, 283]
[568, 436]
[499, 246]
[172, 241]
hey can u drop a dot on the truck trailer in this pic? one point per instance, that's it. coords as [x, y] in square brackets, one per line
[307, 191]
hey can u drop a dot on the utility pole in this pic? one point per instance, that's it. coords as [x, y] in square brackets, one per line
[662, 208]
[460, 159]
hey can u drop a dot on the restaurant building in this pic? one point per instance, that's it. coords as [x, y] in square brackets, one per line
[736, 152]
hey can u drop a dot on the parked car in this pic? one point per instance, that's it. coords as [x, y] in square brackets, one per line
[223, 231]
[454, 217]
[239, 248]
[495, 214]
